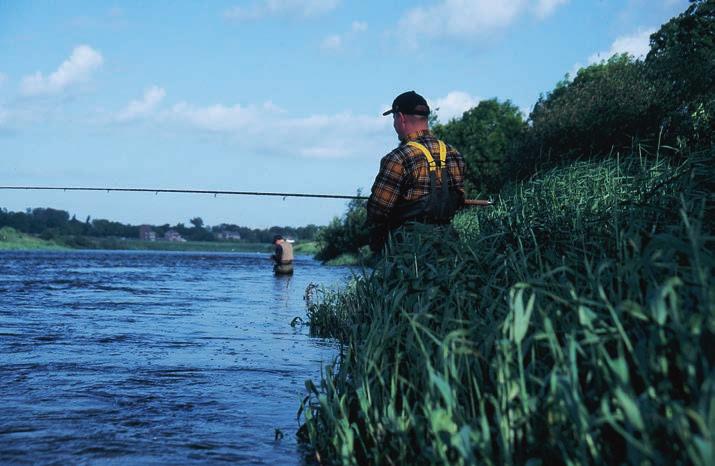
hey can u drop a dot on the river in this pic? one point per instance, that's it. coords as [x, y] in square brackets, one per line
[117, 357]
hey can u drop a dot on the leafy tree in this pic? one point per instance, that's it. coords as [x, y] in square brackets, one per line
[345, 235]
[197, 222]
[104, 228]
[198, 232]
[331, 240]
[605, 108]
[483, 135]
[75, 227]
[682, 61]
[42, 219]
[307, 232]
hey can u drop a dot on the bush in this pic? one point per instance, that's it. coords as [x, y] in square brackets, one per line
[612, 106]
[483, 135]
[682, 62]
[604, 108]
[346, 235]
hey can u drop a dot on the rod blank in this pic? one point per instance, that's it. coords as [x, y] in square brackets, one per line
[192, 191]
[467, 202]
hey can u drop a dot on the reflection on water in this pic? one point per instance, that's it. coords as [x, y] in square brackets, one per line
[282, 289]
[153, 357]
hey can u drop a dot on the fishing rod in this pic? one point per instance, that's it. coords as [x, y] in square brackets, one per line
[473, 202]
[191, 191]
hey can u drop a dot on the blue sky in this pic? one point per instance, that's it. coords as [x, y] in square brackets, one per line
[264, 95]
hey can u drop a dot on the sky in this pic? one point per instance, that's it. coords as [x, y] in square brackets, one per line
[264, 95]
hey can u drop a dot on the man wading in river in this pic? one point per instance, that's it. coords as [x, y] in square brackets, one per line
[283, 256]
[422, 180]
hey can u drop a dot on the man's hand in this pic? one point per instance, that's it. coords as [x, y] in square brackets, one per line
[478, 202]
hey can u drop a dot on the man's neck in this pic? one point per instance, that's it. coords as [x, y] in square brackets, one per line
[412, 135]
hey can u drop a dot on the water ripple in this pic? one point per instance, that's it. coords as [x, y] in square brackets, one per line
[153, 358]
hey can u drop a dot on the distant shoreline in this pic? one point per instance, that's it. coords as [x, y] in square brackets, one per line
[12, 240]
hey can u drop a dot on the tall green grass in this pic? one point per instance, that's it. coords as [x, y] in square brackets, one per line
[13, 240]
[573, 323]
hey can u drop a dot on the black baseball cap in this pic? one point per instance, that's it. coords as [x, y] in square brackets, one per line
[409, 103]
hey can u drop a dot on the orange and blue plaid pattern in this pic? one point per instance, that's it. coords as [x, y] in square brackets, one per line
[404, 175]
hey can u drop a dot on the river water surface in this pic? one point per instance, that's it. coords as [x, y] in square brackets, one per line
[153, 357]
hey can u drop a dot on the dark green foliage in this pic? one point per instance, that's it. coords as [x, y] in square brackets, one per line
[600, 112]
[571, 324]
[344, 235]
[609, 107]
[682, 62]
[48, 218]
[103, 228]
[483, 135]
[197, 222]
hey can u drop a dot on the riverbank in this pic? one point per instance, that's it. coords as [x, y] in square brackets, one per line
[12, 240]
[363, 256]
[572, 322]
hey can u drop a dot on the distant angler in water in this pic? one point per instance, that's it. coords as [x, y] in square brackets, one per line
[283, 256]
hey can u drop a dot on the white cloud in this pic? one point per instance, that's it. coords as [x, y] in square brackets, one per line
[266, 8]
[76, 69]
[453, 105]
[359, 26]
[325, 151]
[469, 19]
[27, 113]
[461, 18]
[574, 70]
[225, 118]
[336, 136]
[3, 79]
[221, 118]
[268, 129]
[141, 108]
[526, 111]
[544, 8]
[636, 45]
[333, 42]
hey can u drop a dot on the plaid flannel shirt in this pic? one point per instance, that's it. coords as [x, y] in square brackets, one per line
[404, 175]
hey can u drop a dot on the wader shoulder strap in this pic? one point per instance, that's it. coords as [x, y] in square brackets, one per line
[428, 155]
[439, 206]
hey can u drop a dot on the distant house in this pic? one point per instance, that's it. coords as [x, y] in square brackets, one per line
[228, 235]
[173, 235]
[146, 233]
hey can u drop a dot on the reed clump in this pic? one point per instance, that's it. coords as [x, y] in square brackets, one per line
[571, 324]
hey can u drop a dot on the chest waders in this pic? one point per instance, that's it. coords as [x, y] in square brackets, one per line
[285, 266]
[439, 206]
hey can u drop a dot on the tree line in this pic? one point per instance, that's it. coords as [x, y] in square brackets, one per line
[48, 223]
[665, 100]
[662, 105]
